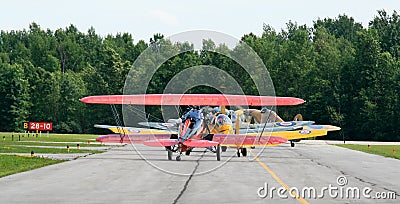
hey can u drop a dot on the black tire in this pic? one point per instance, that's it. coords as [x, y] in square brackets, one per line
[238, 153]
[187, 153]
[224, 148]
[209, 137]
[169, 154]
[178, 158]
[244, 152]
[218, 152]
[292, 144]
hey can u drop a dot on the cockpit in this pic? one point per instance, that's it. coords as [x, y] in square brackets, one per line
[223, 119]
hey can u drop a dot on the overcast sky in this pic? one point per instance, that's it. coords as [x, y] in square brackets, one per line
[144, 18]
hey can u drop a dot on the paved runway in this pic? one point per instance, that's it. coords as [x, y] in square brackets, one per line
[124, 175]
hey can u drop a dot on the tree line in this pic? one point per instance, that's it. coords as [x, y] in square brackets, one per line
[349, 75]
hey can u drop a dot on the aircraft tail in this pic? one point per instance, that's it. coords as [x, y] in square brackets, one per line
[298, 117]
[264, 115]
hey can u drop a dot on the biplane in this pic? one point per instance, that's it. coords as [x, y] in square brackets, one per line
[198, 128]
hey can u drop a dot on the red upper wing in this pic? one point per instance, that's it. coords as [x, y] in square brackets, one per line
[193, 99]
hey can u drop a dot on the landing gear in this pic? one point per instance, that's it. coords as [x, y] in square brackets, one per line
[178, 158]
[169, 154]
[187, 153]
[244, 152]
[292, 143]
[224, 148]
[218, 152]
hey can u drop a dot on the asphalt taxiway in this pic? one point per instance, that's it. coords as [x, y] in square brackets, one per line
[143, 174]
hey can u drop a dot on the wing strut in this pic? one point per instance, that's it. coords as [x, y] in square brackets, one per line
[265, 123]
[121, 130]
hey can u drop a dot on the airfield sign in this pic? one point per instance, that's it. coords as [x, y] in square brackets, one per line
[41, 126]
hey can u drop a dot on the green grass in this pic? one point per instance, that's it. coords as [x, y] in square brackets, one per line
[50, 137]
[41, 143]
[7, 145]
[24, 149]
[383, 150]
[11, 164]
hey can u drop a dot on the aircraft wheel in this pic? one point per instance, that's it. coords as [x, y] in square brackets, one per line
[292, 143]
[238, 153]
[218, 152]
[169, 154]
[224, 148]
[178, 158]
[187, 153]
[244, 152]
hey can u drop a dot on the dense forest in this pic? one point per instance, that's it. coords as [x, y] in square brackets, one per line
[349, 75]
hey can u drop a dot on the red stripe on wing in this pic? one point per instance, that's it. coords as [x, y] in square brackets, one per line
[199, 143]
[239, 140]
[161, 142]
[131, 139]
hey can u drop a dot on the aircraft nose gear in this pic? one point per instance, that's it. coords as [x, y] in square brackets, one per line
[169, 154]
[187, 153]
[211, 149]
[178, 158]
[218, 152]
[242, 151]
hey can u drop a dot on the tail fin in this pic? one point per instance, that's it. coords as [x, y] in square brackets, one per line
[264, 116]
[298, 117]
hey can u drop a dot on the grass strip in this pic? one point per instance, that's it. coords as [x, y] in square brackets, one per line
[392, 151]
[11, 164]
[24, 149]
[84, 138]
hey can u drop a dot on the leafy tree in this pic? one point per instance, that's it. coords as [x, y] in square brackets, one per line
[14, 92]
[388, 28]
[343, 26]
[69, 105]
[70, 52]
[347, 74]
